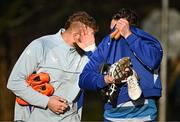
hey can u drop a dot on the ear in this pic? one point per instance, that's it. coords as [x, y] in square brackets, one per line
[76, 37]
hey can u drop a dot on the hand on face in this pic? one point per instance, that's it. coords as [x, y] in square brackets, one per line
[86, 37]
[123, 27]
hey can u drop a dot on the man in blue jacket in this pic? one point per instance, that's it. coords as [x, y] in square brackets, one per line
[145, 54]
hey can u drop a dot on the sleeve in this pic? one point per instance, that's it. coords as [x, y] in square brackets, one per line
[90, 49]
[25, 65]
[90, 78]
[147, 49]
[89, 54]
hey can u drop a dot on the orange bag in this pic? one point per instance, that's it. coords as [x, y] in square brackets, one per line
[40, 83]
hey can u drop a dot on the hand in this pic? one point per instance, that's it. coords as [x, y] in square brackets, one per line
[108, 79]
[86, 37]
[123, 26]
[57, 104]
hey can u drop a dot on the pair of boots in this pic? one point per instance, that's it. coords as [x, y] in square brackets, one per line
[40, 83]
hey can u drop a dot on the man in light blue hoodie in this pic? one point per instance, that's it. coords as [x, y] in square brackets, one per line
[135, 90]
[62, 56]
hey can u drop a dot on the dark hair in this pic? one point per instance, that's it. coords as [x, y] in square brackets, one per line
[83, 17]
[129, 14]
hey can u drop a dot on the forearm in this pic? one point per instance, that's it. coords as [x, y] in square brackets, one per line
[91, 80]
[90, 77]
[28, 94]
[17, 84]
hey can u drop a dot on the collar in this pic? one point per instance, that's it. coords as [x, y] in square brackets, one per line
[62, 42]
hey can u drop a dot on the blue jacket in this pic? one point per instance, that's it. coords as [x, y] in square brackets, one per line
[145, 53]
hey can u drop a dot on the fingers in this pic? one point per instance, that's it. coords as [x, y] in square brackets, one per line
[63, 100]
[82, 38]
[123, 21]
[57, 104]
[61, 110]
[86, 38]
[59, 98]
[108, 79]
[121, 29]
[122, 24]
[83, 31]
[63, 105]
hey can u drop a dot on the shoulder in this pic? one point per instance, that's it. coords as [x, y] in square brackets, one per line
[47, 41]
[142, 33]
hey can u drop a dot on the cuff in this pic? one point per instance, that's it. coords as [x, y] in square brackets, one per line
[90, 48]
[45, 101]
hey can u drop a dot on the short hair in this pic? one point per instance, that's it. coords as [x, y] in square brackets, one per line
[82, 17]
[129, 14]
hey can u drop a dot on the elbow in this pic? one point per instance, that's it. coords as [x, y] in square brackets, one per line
[9, 85]
[155, 61]
[86, 81]
[154, 65]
